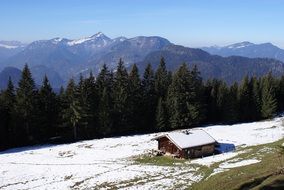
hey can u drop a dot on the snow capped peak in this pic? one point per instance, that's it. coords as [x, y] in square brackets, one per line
[98, 35]
[240, 45]
[120, 39]
[56, 40]
[11, 44]
[95, 38]
[8, 46]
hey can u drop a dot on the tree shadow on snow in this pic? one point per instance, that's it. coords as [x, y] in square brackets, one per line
[27, 148]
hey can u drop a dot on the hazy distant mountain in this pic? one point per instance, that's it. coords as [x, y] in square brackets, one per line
[37, 72]
[70, 57]
[230, 69]
[54, 78]
[131, 50]
[61, 58]
[12, 72]
[10, 48]
[247, 49]
[50, 53]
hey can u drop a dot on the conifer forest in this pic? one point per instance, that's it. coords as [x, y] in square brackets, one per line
[123, 102]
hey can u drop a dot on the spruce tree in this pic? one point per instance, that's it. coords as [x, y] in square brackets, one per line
[223, 105]
[280, 94]
[92, 104]
[161, 116]
[121, 98]
[72, 112]
[268, 99]
[149, 99]
[7, 116]
[105, 114]
[49, 111]
[232, 113]
[85, 96]
[104, 86]
[26, 107]
[162, 79]
[184, 99]
[245, 100]
[135, 99]
[256, 99]
[196, 96]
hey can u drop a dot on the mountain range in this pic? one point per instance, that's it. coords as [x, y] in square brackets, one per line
[248, 49]
[61, 58]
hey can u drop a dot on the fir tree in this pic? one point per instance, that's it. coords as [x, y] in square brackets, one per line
[121, 98]
[72, 111]
[135, 96]
[149, 99]
[161, 116]
[7, 115]
[232, 113]
[104, 88]
[280, 94]
[245, 100]
[26, 107]
[222, 103]
[105, 114]
[92, 104]
[48, 110]
[83, 93]
[162, 79]
[256, 99]
[183, 100]
[269, 103]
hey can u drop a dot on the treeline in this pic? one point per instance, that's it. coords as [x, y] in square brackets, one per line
[122, 102]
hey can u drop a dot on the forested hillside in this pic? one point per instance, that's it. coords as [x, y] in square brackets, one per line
[121, 102]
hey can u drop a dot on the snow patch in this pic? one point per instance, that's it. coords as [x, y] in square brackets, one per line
[8, 46]
[208, 161]
[109, 162]
[227, 165]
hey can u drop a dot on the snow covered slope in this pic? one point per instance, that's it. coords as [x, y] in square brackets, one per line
[108, 163]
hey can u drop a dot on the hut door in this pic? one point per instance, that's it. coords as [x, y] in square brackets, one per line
[187, 153]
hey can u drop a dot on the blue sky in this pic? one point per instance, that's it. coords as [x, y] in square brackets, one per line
[187, 22]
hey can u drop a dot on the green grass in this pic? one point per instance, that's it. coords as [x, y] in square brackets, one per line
[252, 176]
[160, 161]
[262, 175]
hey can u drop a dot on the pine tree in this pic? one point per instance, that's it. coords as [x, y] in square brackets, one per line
[121, 98]
[232, 113]
[184, 99]
[83, 93]
[92, 104]
[49, 111]
[26, 107]
[7, 115]
[104, 80]
[223, 105]
[104, 86]
[105, 114]
[149, 99]
[280, 94]
[161, 116]
[196, 96]
[162, 79]
[135, 97]
[72, 111]
[269, 103]
[256, 99]
[245, 97]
